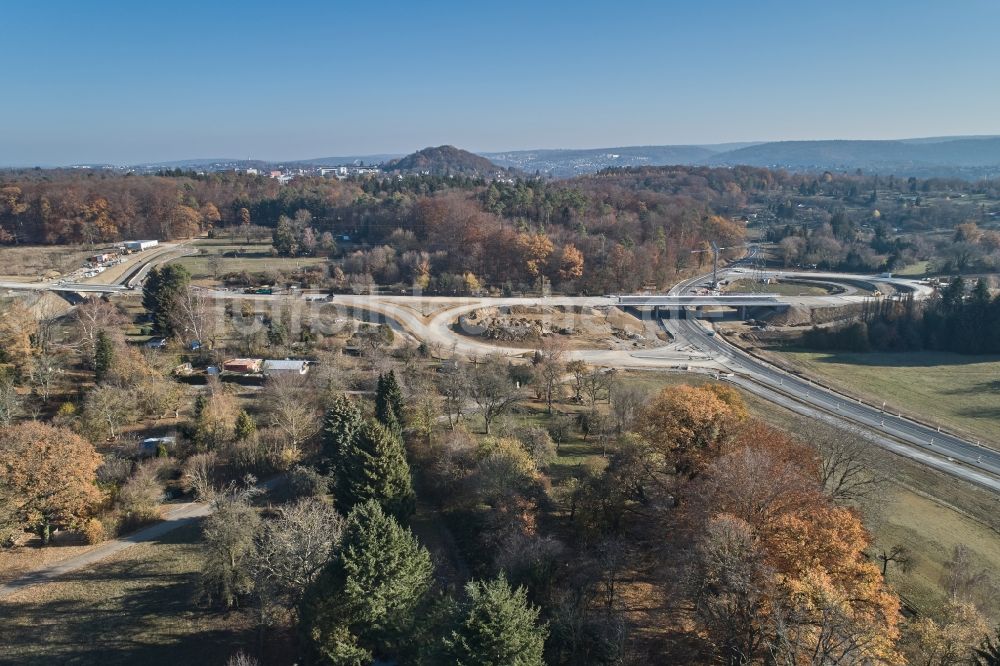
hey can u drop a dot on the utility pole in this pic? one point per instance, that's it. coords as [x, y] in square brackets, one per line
[715, 259]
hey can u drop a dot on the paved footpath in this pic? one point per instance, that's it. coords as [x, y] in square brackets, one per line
[178, 516]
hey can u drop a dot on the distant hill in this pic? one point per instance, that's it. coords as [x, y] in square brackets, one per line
[900, 157]
[444, 160]
[967, 157]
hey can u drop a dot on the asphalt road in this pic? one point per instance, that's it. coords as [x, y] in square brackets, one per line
[928, 445]
[938, 449]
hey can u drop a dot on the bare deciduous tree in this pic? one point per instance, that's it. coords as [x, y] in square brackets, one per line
[966, 581]
[549, 368]
[626, 400]
[291, 408]
[93, 316]
[453, 385]
[579, 370]
[847, 471]
[44, 371]
[106, 409]
[199, 318]
[492, 390]
[198, 474]
[731, 589]
[229, 534]
[140, 496]
[10, 400]
[290, 550]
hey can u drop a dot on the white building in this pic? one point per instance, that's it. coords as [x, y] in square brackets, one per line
[285, 367]
[139, 246]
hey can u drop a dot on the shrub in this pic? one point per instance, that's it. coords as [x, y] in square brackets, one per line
[241, 658]
[305, 482]
[248, 455]
[114, 471]
[140, 497]
[198, 475]
[278, 453]
[537, 442]
[65, 415]
[93, 531]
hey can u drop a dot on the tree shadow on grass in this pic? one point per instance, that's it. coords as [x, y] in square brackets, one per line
[904, 359]
[981, 412]
[977, 389]
[133, 611]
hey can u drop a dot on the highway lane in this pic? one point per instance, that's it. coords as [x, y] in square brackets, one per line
[131, 278]
[948, 449]
[941, 450]
[926, 457]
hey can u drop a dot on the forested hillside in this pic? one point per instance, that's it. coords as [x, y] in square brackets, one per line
[444, 160]
[616, 230]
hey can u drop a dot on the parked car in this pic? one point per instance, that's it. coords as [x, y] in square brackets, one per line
[156, 343]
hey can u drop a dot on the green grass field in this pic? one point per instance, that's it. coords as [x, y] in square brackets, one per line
[931, 531]
[254, 258]
[961, 393]
[136, 607]
[780, 288]
[917, 269]
[928, 512]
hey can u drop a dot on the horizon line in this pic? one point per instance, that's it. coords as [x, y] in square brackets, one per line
[119, 165]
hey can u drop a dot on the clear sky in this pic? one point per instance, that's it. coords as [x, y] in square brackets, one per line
[127, 82]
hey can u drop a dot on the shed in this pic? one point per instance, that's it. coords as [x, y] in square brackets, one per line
[150, 445]
[242, 365]
[156, 343]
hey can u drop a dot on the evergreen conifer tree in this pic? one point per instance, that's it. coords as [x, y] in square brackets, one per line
[340, 426]
[389, 402]
[497, 627]
[373, 467]
[363, 603]
[104, 356]
[245, 426]
[162, 292]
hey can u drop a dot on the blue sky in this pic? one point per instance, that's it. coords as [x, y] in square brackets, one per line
[127, 82]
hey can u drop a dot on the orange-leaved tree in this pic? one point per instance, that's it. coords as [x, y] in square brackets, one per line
[689, 424]
[569, 262]
[47, 477]
[535, 250]
[782, 568]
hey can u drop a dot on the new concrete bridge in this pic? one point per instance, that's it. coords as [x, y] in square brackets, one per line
[722, 300]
